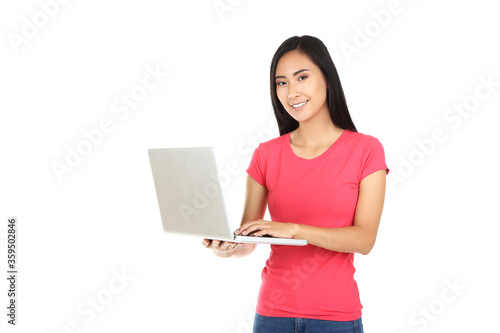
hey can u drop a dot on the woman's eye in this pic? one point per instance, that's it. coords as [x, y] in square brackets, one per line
[302, 77]
[281, 83]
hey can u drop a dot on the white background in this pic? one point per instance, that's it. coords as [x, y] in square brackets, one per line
[440, 220]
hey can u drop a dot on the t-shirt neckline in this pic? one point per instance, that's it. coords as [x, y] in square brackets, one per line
[327, 152]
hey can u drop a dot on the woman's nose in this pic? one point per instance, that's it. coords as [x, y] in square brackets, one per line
[293, 91]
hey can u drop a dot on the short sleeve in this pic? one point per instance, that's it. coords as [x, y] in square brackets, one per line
[374, 159]
[256, 169]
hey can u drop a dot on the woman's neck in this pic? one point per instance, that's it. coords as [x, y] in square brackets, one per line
[316, 132]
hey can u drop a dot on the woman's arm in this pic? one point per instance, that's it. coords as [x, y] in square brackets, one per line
[361, 236]
[255, 208]
[358, 238]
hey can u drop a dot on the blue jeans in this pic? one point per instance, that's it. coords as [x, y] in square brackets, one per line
[264, 324]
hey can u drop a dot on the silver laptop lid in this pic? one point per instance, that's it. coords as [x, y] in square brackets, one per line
[189, 193]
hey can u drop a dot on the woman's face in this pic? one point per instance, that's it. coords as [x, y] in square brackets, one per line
[300, 86]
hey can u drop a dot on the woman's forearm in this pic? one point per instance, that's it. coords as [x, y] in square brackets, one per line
[347, 239]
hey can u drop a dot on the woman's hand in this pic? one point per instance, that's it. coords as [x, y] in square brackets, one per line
[263, 227]
[221, 248]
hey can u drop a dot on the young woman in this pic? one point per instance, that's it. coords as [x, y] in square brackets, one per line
[324, 182]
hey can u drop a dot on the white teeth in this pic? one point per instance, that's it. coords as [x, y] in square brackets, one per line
[299, 105]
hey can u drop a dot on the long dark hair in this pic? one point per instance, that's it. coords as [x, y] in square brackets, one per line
[318, 53]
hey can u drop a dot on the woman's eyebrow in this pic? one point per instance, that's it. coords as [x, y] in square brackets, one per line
[294, 74]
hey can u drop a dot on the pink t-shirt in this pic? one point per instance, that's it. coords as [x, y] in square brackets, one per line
[310, 281]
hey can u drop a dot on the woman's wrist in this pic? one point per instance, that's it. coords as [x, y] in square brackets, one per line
[243, 250]
[295, 230]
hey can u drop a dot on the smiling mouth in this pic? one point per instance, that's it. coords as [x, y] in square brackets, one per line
[299, 106]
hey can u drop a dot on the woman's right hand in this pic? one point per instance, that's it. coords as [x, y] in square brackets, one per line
[223, 249]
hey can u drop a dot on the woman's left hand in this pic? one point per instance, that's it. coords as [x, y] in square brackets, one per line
[263, 227]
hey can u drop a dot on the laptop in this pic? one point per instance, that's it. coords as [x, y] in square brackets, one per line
[190, 196]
